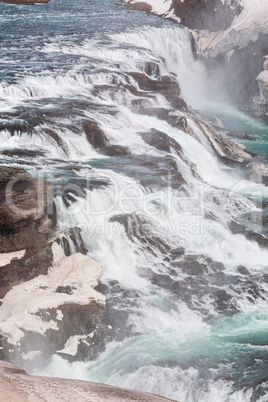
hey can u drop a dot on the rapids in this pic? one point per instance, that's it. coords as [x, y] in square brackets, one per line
[192, 290]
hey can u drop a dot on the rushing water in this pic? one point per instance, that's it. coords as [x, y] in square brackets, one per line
[159, 222]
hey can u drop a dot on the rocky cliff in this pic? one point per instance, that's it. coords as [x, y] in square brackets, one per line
[48, 301]
[233, 33]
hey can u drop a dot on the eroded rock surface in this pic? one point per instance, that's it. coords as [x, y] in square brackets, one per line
[17, 385]
[47, 293]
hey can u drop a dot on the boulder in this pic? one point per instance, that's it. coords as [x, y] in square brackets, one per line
[160, 141]
[94, 134]
[114, 150]
[164, 85]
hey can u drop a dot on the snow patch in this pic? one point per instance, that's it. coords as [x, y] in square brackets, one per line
[158, 7]
[20, 307]
[6, 258]
[71, 346]
[245, 27]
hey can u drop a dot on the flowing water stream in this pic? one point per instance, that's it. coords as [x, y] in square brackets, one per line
[194, 291]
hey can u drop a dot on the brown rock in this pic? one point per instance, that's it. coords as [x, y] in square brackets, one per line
[95, 135]
[165, 85]
[114, 150]
[25, 2]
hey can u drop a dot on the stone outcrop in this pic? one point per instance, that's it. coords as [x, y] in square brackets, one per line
[224, 147]
[47, 294]
[164, 85]
[17, 385]
[24, 225]
[213, 15]
[232, 33]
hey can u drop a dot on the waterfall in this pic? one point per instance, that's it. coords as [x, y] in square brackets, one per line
[158, 220]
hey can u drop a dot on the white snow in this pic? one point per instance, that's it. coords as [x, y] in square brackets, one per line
[22, 302]
[31, 355]
[70, 347]
[263, 85]
[245, 27]
[6, 258]
[158, 7]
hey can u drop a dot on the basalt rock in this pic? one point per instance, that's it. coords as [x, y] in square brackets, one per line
[213, 15]
[161, 141]
[94, 134]
[114, 150]
[24, 225]
[164, 85]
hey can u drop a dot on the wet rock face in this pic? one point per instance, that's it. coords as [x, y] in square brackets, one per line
[22, 196]
[24, 225]
[94, 134]
[205, 14]
[163, 85]
[241, 70]
[160, 141]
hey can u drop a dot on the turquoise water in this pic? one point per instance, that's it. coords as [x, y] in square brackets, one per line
[236, 120]
[195, 333]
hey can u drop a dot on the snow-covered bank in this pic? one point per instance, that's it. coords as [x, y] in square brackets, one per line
[20, 309]
[263, 82]
[43, 283]
[162, 8]
[235, 33]
[17, 385]
[245, 27]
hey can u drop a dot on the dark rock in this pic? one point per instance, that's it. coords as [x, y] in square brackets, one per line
[193, 268]
[184, 126]
[102, 288]
[24, 225]
[8, 173]
[95, 135]
[216, 265]
[177, 252]
[14, 127]
[250, 234]
[241, 136]
[113, 282]
[76, 241]
[161, 141]
[56, 137]
[37, 260]
[242, 270]
[165, 85]
[152, 69]
[22, 153]
[241, 70]
[212, 15]
[114, 150]
[64, 289]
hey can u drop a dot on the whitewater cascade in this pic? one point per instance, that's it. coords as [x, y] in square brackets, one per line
[159, 221]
